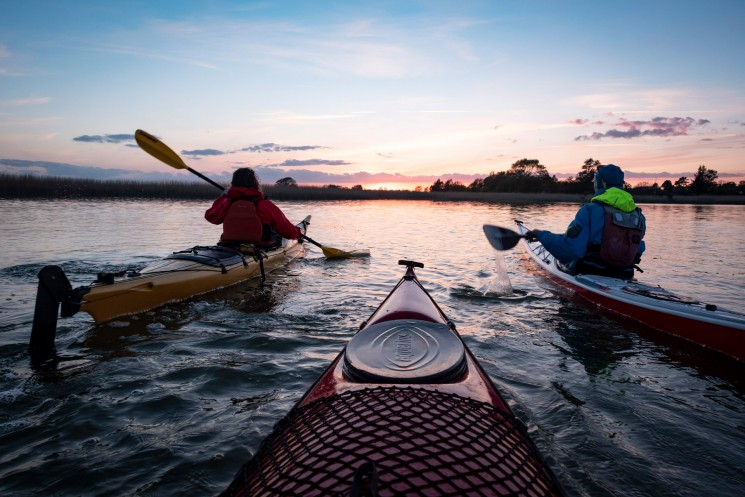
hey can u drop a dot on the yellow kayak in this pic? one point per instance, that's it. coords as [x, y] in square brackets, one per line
[178, 276]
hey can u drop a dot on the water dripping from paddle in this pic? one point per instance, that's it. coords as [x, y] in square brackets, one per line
[499, 285]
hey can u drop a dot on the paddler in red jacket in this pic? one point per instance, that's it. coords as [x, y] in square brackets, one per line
[247, 217]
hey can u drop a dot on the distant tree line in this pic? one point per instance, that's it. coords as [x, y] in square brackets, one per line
[15, 186]
[530, 176]
[527, 180]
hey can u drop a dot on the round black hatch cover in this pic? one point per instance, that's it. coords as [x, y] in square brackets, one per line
[405, 351]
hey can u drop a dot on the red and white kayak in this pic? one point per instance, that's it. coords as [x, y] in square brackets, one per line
[404, 409]
[705, 324]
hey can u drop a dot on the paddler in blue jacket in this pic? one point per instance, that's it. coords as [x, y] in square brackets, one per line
[606, 234]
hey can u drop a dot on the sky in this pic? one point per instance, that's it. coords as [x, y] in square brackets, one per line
[386, 94]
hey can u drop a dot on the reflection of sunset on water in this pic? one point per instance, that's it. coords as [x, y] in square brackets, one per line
[214, 373]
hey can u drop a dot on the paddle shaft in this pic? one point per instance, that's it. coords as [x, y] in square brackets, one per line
[163, 153]
[222, 188]
[307, 238]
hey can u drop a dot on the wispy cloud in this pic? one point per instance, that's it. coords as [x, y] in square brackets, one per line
[623, 98]
[211, 152]
[307, 176]
[203, 152]
[263, 148]
[163, 54]
[20, 102]
[273, 147]
[658, 126]
[313, 162]
[105, 138]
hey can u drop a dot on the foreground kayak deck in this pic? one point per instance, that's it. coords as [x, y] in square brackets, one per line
[404, 409]
[178, 276]
[711, 326]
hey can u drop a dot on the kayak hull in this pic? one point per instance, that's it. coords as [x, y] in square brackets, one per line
[454, 436]
[707, 325]
[180, 276]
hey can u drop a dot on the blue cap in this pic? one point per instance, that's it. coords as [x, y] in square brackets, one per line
[608, 176]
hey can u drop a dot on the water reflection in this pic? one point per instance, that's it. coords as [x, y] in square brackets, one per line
[593, 341]
[115, 337]
[616, 408]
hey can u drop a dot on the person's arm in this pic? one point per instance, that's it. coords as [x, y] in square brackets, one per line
[572, 244]
[280, 223]
[216, 214]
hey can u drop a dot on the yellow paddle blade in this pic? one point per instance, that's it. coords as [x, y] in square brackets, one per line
[159, 150]
[335, 253]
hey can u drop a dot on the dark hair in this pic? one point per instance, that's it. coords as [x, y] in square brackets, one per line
[245, 177]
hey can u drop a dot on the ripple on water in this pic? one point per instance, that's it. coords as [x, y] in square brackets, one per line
[173, 401]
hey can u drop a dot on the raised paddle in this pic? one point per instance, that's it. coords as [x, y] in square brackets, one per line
[501, 238]
[163, 153]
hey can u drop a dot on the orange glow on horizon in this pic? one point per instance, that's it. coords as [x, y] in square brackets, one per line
[394, 186]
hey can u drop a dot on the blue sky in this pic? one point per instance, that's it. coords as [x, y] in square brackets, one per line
[377, 93]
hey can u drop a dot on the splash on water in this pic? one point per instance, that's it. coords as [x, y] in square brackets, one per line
[500, 284]
[469, 292]
[497, 285]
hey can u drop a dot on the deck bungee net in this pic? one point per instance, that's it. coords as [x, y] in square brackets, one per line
[204, 259]
[413, 441]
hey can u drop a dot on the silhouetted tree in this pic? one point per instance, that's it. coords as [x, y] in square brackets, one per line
[477, 185]
[681, 184]
[437, 186]
[703, 181]
[529, 167]
[586, 175]
[668, 188]
[286, 182]
[728, 188]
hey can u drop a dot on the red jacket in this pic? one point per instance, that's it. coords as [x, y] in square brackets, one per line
[268, 213]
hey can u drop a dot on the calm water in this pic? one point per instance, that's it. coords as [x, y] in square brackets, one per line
[174, 401]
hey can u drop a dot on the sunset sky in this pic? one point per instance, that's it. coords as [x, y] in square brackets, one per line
[379, 93]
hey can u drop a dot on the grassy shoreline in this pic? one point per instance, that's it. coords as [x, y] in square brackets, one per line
[37, 187]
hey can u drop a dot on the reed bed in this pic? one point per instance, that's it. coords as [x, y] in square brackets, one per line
[46, 187]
